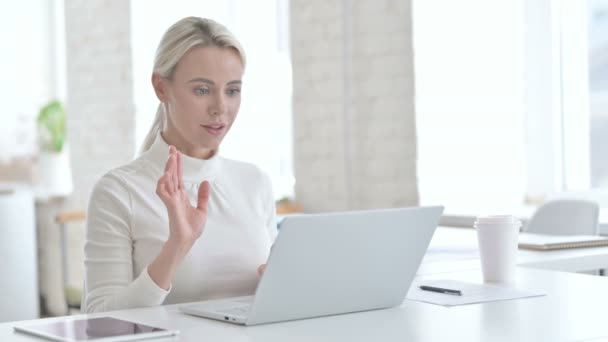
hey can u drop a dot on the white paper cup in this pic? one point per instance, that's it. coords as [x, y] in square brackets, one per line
[497, 237]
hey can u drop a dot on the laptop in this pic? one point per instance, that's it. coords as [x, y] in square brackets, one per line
[333, 263]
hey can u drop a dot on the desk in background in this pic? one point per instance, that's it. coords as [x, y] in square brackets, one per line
[455, 249]
[467, 220]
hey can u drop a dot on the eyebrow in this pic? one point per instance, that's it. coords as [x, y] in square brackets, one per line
[208, 81]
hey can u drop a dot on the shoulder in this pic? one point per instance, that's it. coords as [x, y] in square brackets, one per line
[245, 176]
[118, 182]
[242, 170]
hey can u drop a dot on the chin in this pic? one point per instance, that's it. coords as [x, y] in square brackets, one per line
[210, 145]
[206, 141]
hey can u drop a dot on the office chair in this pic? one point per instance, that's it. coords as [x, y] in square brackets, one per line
[565, 217]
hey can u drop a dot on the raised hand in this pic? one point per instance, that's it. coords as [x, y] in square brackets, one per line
[186, 222]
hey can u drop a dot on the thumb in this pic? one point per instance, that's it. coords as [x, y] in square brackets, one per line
[261, 269]
[203, 196]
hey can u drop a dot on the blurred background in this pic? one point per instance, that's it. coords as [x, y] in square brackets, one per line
[485, 107]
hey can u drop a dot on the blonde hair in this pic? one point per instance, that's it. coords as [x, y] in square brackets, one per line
[180, 38]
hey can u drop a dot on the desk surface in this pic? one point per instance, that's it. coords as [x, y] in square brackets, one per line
[573, 310]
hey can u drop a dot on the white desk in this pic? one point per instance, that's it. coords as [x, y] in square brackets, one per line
[575, 309]
[455, 249]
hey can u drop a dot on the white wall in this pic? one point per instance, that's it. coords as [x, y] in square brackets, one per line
[354, 122]
[101, 122]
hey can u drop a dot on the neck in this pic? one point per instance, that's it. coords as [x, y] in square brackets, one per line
[185, 147]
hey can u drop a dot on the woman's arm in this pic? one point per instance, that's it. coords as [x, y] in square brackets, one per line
[109, 280]
[109, 283]
[271, 210]
[271, 215]
[186, 223]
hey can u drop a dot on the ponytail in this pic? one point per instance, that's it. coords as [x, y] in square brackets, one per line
[157, 126]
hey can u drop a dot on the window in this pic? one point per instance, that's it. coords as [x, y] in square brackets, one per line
[469, 69]
[580, 32]
[34, 71]
[598, 92]
[512, 102]
[587, 132]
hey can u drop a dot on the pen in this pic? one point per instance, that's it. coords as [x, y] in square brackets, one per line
[441, 290]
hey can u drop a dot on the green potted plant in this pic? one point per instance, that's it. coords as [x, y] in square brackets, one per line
[52, 127]
[55, 176]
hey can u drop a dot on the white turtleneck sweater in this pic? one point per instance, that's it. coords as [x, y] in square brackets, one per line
[127, 225]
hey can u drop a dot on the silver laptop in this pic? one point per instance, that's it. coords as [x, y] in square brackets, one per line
[335, 263]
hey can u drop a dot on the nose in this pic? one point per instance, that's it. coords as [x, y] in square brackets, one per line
[218, 106]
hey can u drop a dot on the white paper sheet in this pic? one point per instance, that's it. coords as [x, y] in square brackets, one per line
[471, 293]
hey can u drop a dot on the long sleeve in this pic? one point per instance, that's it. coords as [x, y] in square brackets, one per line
[110, 282]
[271, 213]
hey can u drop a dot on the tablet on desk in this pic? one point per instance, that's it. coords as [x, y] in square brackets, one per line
[101, 329]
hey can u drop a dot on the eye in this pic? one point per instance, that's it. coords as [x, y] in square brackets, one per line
[234, 91]
[201, 91]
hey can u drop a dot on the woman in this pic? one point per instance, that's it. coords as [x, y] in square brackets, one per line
[181, 223]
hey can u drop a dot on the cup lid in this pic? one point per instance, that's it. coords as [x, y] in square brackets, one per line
[497, 220]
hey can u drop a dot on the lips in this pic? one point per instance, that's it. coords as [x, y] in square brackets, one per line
[214, 129]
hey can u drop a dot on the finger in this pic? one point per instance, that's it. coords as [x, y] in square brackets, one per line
[169, 170]
[174, 181]
[166, 188]
[168, 183]
[180, 175]
[159, 185]
[168, 164]
[261, 269]
[203, 196]
[161, 188]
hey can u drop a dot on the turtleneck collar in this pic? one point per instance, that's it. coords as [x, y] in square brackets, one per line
[195, 170]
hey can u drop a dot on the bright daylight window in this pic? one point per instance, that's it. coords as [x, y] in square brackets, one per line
[584, 80]
[598, 92]
[512, 102]
[262, 133]
[469, 67]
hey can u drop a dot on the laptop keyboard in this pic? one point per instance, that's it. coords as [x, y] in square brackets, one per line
[236, 311]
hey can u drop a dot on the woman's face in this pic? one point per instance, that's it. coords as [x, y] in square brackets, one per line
[203, 98]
